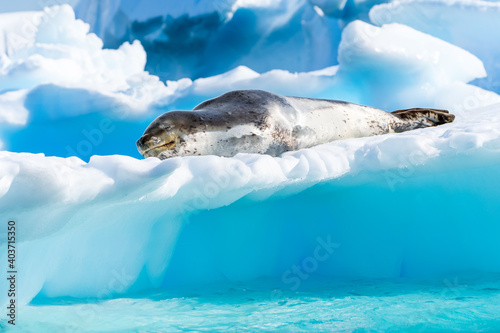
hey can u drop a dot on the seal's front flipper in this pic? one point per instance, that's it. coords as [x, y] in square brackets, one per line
[421, 117]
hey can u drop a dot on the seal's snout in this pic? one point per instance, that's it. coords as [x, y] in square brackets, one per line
[141, 143]
[147, 142]
[153, 145]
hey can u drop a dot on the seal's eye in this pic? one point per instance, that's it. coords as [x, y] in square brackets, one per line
[165, 127]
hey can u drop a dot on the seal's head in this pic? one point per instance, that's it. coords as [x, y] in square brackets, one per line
[158, 137]
[165, 134]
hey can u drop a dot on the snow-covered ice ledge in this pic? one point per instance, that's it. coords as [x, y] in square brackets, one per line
[428, 204]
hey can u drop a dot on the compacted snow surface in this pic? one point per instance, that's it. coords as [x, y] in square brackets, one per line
[385, 233]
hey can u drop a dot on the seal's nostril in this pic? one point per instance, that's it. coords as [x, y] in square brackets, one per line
[143, 139]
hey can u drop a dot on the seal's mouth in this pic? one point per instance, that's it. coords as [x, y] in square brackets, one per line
[168, 145]
[151, 146]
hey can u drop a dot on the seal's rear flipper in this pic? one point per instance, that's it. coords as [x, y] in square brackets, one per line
[421, 117]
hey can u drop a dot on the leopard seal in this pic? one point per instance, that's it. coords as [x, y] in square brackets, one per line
[257, 121]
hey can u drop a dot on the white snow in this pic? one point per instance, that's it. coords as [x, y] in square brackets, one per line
[64, 54]
[471, 25]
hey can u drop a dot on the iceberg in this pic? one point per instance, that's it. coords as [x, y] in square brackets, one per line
[385, 206]
[413, 68]
[62, 72]
[471, 25]
[63, 53]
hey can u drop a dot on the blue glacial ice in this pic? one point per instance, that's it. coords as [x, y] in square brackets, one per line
[204, 38]
[97, 221]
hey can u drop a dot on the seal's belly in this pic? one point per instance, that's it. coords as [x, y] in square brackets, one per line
[346, 121]
[305, 129]
[238, 139]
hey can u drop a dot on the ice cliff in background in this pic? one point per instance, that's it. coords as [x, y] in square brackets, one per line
[203, 38]
[413, 204]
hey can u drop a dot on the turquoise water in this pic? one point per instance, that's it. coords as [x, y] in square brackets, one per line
[446, 304]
